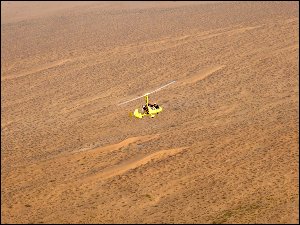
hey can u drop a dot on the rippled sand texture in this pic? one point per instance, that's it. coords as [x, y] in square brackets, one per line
[224, 150]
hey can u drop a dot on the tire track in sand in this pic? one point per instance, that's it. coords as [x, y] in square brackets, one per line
[114, 147]
[36, 70]
[133, 164]
[200, 75]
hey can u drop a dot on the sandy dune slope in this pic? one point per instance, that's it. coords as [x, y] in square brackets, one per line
[224, 150]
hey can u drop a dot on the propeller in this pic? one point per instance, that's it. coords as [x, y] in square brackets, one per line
[158, 89]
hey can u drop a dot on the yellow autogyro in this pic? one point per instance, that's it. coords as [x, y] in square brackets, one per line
[147, 109]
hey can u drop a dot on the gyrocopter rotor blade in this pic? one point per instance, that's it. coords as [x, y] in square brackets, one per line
[158, 89]
[131, 100]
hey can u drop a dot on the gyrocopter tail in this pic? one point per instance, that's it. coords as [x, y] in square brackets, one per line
[137, 114]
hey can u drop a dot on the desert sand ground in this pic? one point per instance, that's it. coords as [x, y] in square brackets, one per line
[224, 150]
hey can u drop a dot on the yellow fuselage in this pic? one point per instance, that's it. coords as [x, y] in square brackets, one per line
[151, 111]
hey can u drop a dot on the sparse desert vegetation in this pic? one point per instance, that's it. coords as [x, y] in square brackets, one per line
[224, 150]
